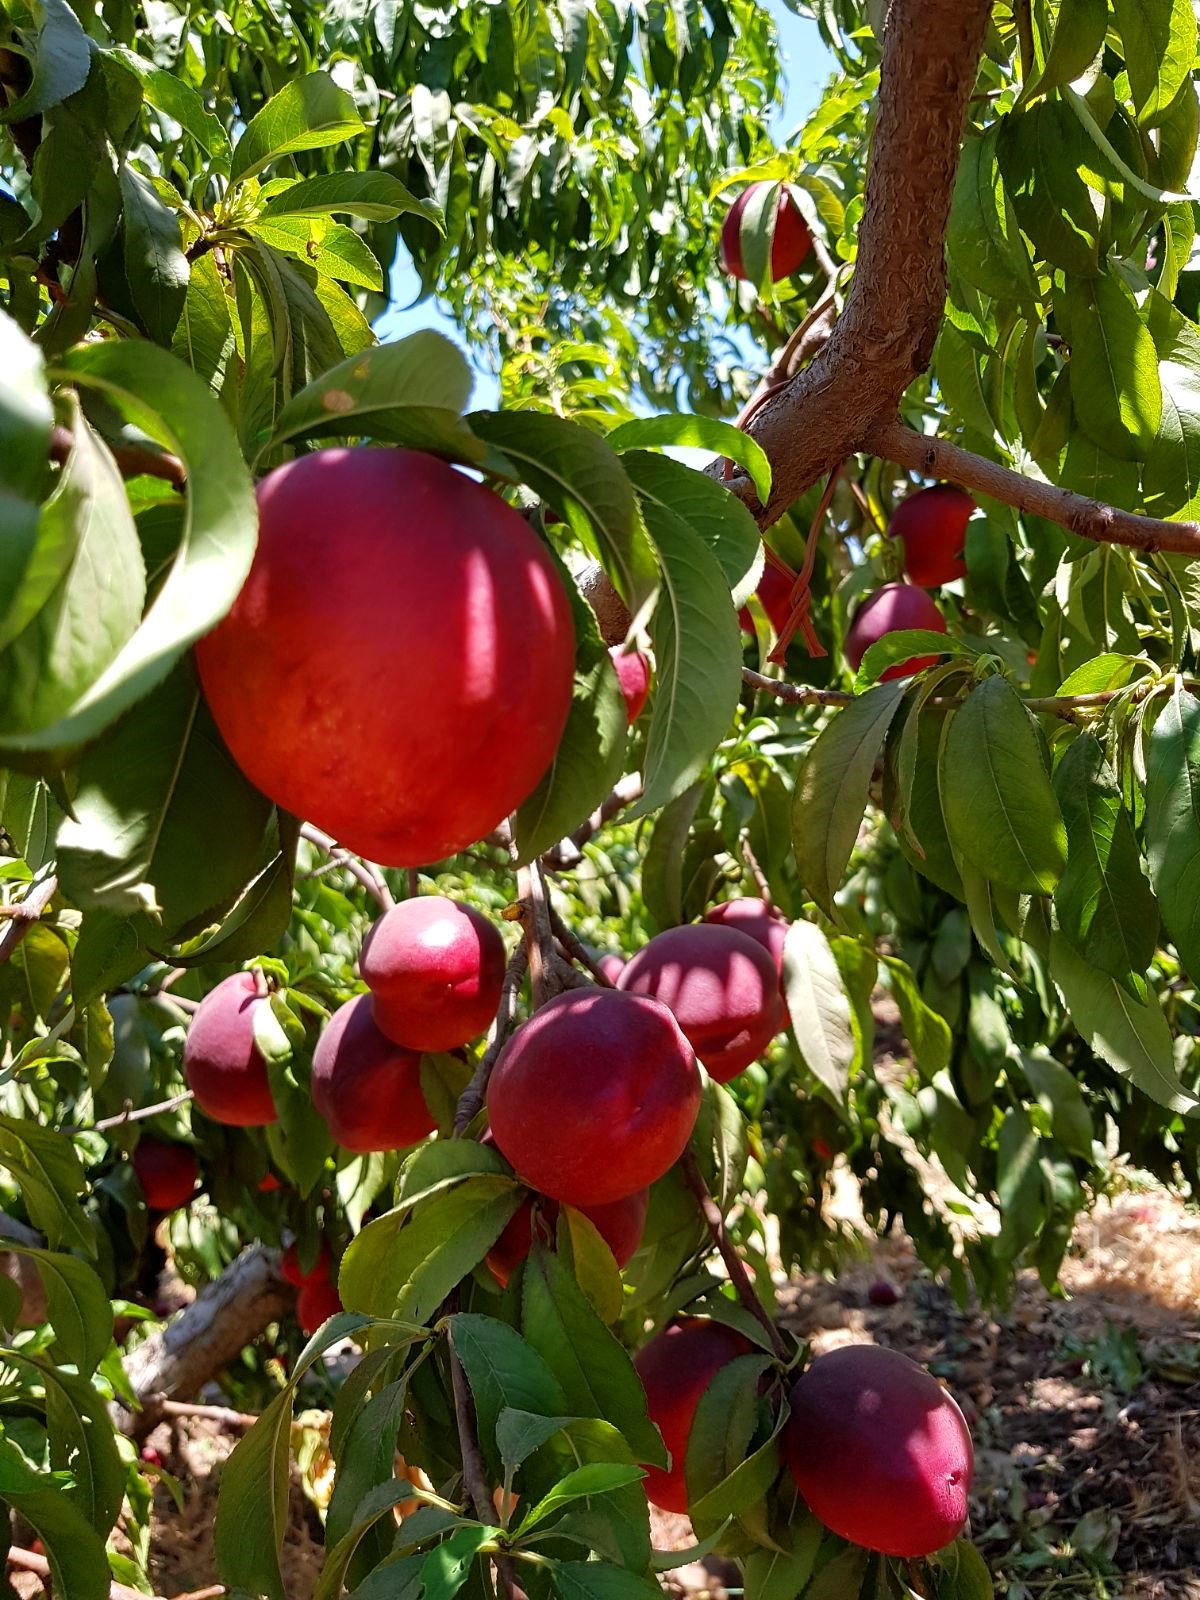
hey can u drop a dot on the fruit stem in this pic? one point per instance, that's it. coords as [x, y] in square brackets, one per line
[756, 872]
[471, 1100]
[734, 1264]
[574, 950]
[539, 934]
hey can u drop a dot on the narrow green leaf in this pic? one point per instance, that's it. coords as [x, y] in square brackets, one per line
[1158, 38]
[1115, 386]
[718, 517]
[1173, 821]
[169, 93]
[62, 59]
[375, 196]
[78, 1564]
[49, 1175]
[698, 433]
[598, 1580]
[155, 264]
[983, 239]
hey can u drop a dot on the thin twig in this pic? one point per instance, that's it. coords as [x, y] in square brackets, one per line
[474, 1477]
[568, 852]
[1066, 706]
[472, 1099]
[134, 461]
[575, 950]
[131, 1115]
[366, 872]
[756, 872]
[22, 916]
[734, 1264]
[225, 1414]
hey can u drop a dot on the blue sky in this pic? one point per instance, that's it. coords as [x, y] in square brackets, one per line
[807, 65]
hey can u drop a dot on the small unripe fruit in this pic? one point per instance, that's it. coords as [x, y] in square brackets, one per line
[366, 1088]
[633, 674]
[880, 1451]
[620, 1224]
[224, 1067]
[895, 607]
[933, 525]
[399, 664]
[722, 988]
[676, 1367]
[595, 1096]
[775, 594]
[167, 1173]
[289, 1266]
[317, 1301]
[434, 968]
[882, 1293]
[791, 243]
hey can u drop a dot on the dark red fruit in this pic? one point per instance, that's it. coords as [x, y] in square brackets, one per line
[611, 965]
[933, 525]
[880, 1451]
[399, 665]
[167, 1172]
[882, 1293]
[367, 1089]
[269, 1184]
[289, 1266]
[893, 608]
[223, 1066]
[760, 921]
[633, 674]
[676, 1367]
[822, 1149]
[317, 1301]
[721, 986]
[620, 1224]
[775, 593]
[595, 1096]
[434, 968]
[791, 243]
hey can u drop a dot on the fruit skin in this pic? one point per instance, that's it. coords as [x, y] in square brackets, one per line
[633, 674]
[289, 1266]
[895, 606]
[317, 1301]
[880, 1451]
[167, 1172]
[366, 1088]
[221, 1062]
[269, 1184]
[399, 664]
[620, 1224]
[791, 243]
[434, 968]
[612, 965]
[933, 525]
[882, 1293]
[676, 1367]
[760, 921]
[775, 592]
[595, 1096]
[721, 986]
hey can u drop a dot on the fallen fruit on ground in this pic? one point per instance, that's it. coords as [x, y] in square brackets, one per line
[791, 243]
[882, 1293]
[721, 986]
[620, 1224]
[595, 1096]
[434, 967]
[880, 1451]
[413, 643]
[933, 526]
[895, 607]
[367, 1088]
[633, 674]
[168, 1172]
[676, 1367]
[224, 1067]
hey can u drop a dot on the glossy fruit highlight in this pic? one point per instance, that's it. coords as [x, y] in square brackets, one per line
[434, 968]
[223, 1066]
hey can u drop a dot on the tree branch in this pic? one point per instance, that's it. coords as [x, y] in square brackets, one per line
[1090, 519]
[22, 916]
[473, 1096]
[734, 1264]
[134, 461]
[569, 852]
[366, 872]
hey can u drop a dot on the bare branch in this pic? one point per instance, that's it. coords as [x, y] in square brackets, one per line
[1053, 705]
[133, 461]
[130, 1114]
[473, 1096]
[568, 852]
[22, 916]
[366, 872]
[575, 950]
[1090, 519]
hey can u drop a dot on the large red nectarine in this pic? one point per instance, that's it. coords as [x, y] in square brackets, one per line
[676, 1367]
[620, 1224]
[933, 525]
[166, 1171]
[892, 609]
[434, 968]
[880, 1451]
[633, 674]
[595, 1096]
[367, 1089]
[760, 921]
[289, 1265]
[399, 665]
[791, 243]
[721, 986]
[224, 1067]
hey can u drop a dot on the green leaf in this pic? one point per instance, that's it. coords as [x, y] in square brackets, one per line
[598, 1580]
[784, 1574]
[375, 196]
[307, 114]
[904, 644]
[62, 60]
[596, 1478]
[447, 1567]
[332, 249]
[49, 1175]
[78, 1564]
[698, 433]
[1019, 1187]
[1115, 387]
[373, 1508]
[709, 510]
[1042, 152]
[1000, 809]
[505, 1373]
[983, 239]
[697, 657]
[1103, 903]
[1061, 1098]
[155, 264]
[722, 1428]
[77, 1307]
[1173, 821]
[169, 93]
[832, 788]
[1158, 38]
[1079, 29]
[204, 333]
[405, 1267]
[520, 1433]
[26, 416]
[962, 1573]
[662, 864]
[926, 1030]
[410, 393]
[819, 1007]
[594, 1370]
[1171, 480]
[250, 1524]
[841, 1577]
[1133, 1038]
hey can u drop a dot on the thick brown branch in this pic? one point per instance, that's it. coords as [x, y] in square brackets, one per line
[134, 461]
[1090, 519]
[734, 1264]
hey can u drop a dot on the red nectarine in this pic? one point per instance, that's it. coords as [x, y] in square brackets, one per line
[933, 525]
[289, 1265]
[434, 968]
[790, 245]
[760, 921]
[166, 1171]
[317, 1301]
[620, 1224]
[367, 1089]
[775, 594]
[893, 608]
[224, 1067]
[633, 674]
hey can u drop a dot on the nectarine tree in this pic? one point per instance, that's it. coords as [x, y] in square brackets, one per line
[340, 725]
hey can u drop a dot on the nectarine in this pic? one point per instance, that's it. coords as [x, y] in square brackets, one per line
[317, 1301]
[620, 1224]
[893, 608]
[760, 921]
[434, 968]
[399, 664]
[166, 1171]
[366, 1088]
[290, 1267]
[595, 1096]
[633, 674]
[775, 593]
[790, 245]
[224, 1067]
[933, 525]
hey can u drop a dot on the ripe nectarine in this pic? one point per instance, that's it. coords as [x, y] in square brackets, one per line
[289, 1266]
[224, 1067]
[166, 1171]
[633, 674]
[366, 1088]
[620, 1224]
[893, 608]
[434, 968]
[317, 1301]
[399, 664]
[595, 1096]
[933, 525]
[791, 243]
